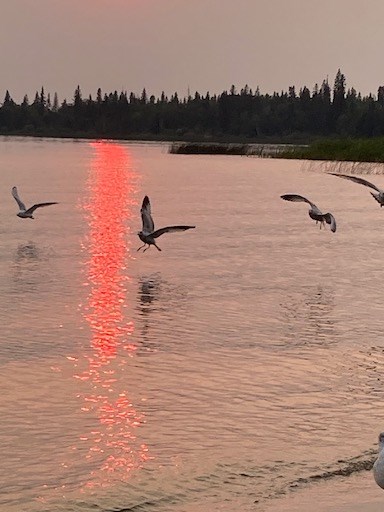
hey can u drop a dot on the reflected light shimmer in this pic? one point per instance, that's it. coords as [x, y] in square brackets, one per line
[112, 447]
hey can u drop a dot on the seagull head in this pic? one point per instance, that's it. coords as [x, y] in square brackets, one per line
[381, 440]
[140, 234]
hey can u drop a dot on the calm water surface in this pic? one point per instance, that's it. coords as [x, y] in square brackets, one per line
[238, 365]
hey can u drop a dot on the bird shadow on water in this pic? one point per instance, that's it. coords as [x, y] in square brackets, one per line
[30, 266]
[307, 317]
[157, 300]
[28, 251]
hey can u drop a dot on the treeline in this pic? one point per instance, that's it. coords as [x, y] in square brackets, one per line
[231, 115]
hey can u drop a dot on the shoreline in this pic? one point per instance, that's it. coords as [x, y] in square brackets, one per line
[369, 151]
[165, 138]
[359, 151]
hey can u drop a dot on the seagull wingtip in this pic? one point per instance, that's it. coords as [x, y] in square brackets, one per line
[145, 201]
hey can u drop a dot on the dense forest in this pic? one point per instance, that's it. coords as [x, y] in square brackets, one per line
[232, 115]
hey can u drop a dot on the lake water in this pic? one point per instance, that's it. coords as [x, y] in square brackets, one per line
[242, 363]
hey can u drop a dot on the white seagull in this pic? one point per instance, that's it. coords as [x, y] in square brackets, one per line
[148, 233]
[379, 195]
[378, 467]
[314, 211]
[24, 213]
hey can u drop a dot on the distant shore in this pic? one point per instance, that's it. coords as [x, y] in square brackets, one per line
[347, 150]
[165, 137]
[327, 149]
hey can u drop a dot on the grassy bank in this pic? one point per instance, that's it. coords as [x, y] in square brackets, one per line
[211, 148]
[201, 148]
[353, 150]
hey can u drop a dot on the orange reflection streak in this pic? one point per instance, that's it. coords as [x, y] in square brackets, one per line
[112, 447]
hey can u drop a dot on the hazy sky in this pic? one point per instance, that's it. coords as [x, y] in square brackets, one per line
[171, 45]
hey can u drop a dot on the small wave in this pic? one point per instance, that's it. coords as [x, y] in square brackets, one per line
[341, 468]
[346, 468]
[146, 504]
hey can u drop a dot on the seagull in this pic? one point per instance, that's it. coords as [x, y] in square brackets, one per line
[380, 193]
[24, 213]
[378, 467]
[314, 211]
[148, 233]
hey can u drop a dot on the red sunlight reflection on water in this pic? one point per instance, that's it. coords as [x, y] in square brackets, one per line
[112, 446]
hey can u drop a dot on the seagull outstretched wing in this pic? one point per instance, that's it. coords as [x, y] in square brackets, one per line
[356, 179]
[39, 205]
[170, 229]
[146, 217]
[298, 199]
[18, 200]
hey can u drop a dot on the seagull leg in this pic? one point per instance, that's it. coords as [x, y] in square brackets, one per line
[147, 248]
[141, 246]
[157, 247]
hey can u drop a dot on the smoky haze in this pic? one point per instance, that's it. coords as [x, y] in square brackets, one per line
[175, 45]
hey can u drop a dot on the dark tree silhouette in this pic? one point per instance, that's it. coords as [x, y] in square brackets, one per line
[296, 114]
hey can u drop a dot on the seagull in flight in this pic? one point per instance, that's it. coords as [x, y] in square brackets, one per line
[24, 213]
[378, 467]
[148, 233]
[314, 211]
[379, 195]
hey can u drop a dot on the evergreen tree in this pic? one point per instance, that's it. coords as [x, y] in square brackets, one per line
[380, 95]
[292, 93]
[55, 106]
[7, 99]
[325, 92]
[143, 98]
[77, 99]
[36, 101]
[175, 98]
[43, 101]
[123, 100]
[338, 103]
